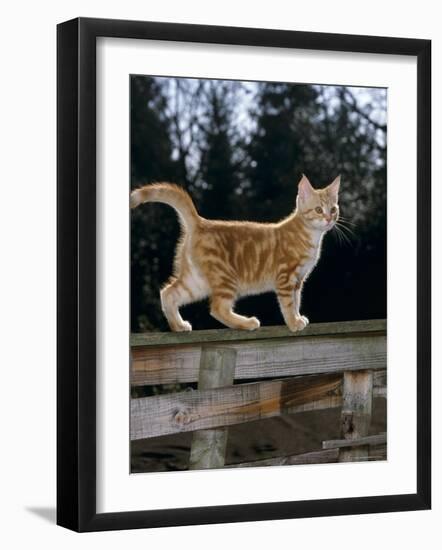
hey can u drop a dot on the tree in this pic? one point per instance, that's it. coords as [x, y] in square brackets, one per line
[152, 226]
[275, 151]
[151, 148]
[218, 174]
[351, 142]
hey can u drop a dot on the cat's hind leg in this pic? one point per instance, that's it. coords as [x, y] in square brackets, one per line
[222, 310]
[175, 294]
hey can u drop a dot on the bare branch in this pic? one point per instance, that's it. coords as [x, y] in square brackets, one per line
[350, 97]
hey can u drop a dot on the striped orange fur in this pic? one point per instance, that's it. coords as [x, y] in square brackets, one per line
[224, 260]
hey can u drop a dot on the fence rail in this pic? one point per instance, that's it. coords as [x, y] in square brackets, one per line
[270, 352]
[328, 365]
[202, 409]
[264, 333]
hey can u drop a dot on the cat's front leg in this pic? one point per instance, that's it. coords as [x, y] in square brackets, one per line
[297, 324]
[289, 304]
[297, 303]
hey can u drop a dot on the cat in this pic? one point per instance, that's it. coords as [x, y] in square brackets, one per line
[224, 260]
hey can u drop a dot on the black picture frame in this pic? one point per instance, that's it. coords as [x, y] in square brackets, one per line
[76, 273]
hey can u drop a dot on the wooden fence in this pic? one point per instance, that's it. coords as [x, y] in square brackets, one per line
[327, 365]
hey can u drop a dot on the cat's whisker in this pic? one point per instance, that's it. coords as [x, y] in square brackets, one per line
[348, 229]
[347, 238]
[337, 235]
[343, 236]
[348, 222]
[344, 224]
[341, 240]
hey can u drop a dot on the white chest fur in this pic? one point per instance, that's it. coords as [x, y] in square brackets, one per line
[315, 251]
[305, 269]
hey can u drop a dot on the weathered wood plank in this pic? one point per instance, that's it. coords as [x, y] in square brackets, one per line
[378, 452]
[328, 402]
[229, 335]
[375, 452]
[217, 369]
[378, 439]
[380, 392]
[314, 457]
[380, 378]
[264, 358]
[357, 396]
[195, 410]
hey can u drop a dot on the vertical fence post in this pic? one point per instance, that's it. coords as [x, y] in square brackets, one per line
[217, 369]
[357, 397]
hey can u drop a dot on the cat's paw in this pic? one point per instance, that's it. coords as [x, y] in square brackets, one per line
[298, 324]
[305, 319]
[252, 323]
[185, 326]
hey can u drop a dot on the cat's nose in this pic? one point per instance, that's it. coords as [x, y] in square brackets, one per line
[328, 218]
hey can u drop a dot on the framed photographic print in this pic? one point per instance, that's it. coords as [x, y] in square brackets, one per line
[243, 274]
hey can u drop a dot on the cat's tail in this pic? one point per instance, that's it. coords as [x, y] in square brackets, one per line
[170, 194]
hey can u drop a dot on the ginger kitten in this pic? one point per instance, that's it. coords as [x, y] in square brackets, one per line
[224, 260]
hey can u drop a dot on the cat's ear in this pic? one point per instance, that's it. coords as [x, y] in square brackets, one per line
[305, 189]
[333, 188]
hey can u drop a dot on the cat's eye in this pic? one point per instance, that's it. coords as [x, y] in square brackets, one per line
[333, 210]
[319, 210]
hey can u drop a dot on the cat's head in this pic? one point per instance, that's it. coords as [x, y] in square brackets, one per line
[318, 207]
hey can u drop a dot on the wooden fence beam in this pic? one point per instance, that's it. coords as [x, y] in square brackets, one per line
[378, 439]
[357, 397]
[313, 457]
[212, 408]
[265, 358]
[188, 411]
[325, 456]
[224, 335]
[217, 369]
